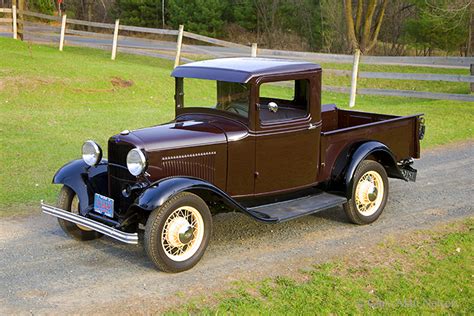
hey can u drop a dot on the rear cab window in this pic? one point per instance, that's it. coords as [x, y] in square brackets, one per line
[283, 100]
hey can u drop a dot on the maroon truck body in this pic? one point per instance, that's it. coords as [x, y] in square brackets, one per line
[272, 157]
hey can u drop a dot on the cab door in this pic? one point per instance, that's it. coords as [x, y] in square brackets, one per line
[288, 127]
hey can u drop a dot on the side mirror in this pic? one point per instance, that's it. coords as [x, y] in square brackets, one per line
[273, 107]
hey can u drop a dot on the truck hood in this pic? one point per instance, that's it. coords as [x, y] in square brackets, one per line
[178, 134]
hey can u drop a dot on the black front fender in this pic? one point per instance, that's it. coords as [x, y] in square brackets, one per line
[343, 178]
[83, 180]
[161, 191]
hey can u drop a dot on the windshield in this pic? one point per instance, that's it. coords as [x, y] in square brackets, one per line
[225, 96]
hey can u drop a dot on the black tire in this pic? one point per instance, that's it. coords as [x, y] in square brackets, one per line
[351, 209]
[65, 198]
[154, 242]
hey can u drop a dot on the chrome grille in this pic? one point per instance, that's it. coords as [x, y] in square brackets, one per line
[119, 177]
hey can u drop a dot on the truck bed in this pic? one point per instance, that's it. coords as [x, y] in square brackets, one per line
[341, 128]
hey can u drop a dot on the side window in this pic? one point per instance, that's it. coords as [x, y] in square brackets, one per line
[283, 100]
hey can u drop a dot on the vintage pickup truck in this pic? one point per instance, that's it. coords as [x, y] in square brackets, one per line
[271, 152]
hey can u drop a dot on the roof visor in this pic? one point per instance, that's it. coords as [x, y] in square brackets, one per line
[241, 69]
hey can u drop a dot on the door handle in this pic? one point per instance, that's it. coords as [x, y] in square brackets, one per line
[312, 126]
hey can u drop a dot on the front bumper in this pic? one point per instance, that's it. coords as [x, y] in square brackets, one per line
[129, 238]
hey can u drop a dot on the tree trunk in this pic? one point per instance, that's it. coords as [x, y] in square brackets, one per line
[470, 40]
[365, 36]
[378, 24]
[89, 12]
[361, 34]
[350, 24]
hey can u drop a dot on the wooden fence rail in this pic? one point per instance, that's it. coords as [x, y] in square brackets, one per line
[139, 45]
[403, 93]
[403, 76]
[463, 62]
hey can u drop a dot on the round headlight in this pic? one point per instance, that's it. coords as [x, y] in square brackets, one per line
[91, 153]
[136, 162]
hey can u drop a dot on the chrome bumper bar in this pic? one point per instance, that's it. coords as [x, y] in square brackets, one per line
[129, 238]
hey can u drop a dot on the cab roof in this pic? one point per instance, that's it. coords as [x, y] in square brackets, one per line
[241, 69]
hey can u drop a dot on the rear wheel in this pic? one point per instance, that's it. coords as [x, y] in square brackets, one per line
[369, 193]
[178, 232]
[68, 201]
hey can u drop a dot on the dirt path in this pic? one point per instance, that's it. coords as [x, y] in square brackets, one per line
[43, 271]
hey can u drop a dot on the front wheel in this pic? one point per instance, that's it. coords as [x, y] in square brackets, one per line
[68, 201]
[369, 193]
[178, 232]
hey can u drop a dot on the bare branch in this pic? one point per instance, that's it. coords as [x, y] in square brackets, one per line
[378, 24]
[365, 38]
[358, 23]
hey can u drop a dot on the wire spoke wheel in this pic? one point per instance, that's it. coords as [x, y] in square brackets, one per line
[69, 201]
[177, 233]
[369, 193]
[75, 210]
[182, 233]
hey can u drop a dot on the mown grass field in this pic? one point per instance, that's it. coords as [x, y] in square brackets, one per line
[427, 272]
[50, 102]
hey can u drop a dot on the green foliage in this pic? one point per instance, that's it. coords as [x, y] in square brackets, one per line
[210, 17]
[318, 25]
[439, 24]
[139, 12]
[243, 13]
[200, 16]
[42, 6]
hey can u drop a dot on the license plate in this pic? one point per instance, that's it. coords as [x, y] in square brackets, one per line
[104, 205]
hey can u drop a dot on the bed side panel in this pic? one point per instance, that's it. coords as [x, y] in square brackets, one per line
[399, 134]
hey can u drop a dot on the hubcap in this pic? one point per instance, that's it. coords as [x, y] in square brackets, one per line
[186, 234]
[183, 233]
[369, 193]
[180, 232]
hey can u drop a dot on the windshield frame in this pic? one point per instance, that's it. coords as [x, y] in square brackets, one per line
[181, 109]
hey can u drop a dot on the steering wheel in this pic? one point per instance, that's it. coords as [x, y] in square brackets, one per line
[232, 109]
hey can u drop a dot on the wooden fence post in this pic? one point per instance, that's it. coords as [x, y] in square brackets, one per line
[472, 74]
[14, 25]
[355, 70]
[63, 31]
[178, 46]
[115, 42]
[254, 50]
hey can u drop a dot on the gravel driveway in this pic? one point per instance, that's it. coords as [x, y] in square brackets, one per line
[43, 271]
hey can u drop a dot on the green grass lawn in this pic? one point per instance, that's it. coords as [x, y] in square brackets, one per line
[427, 272]
[51, 101]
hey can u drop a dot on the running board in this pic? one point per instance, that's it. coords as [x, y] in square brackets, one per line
[129, 238]
[291, 209]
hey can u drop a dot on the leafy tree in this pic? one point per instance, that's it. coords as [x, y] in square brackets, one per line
[199, 16]
[439, 24]
[43, 6]
[243, 13]
[139, 12]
